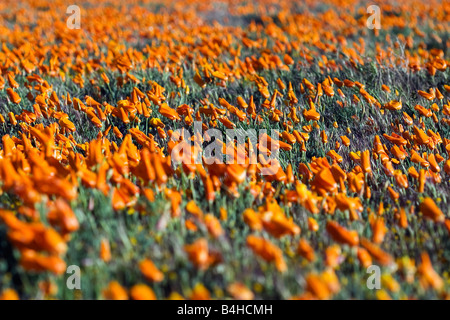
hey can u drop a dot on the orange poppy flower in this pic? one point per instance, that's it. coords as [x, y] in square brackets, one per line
[9, 294]
[377, 253]
[252, 219]
[213, 226]
[34, 261]
[431, 211]
[365, 162]
[305, 250]
[200, 293]
[317, 287]
[150, 271]
[63, 216]
[364, 257]
[13, 96]
[393, 105]
[311, 114]
[402, 217]
[240, 292]
[142, 292]
[115, 291]
[168, 112]
[198, 253]
[193, 209]
[429, 277]
[105, 250]
[342, 235]
[378, 229]
[324, 180]
[268, 251]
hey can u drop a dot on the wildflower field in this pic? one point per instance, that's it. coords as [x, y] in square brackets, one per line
[92, 103]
